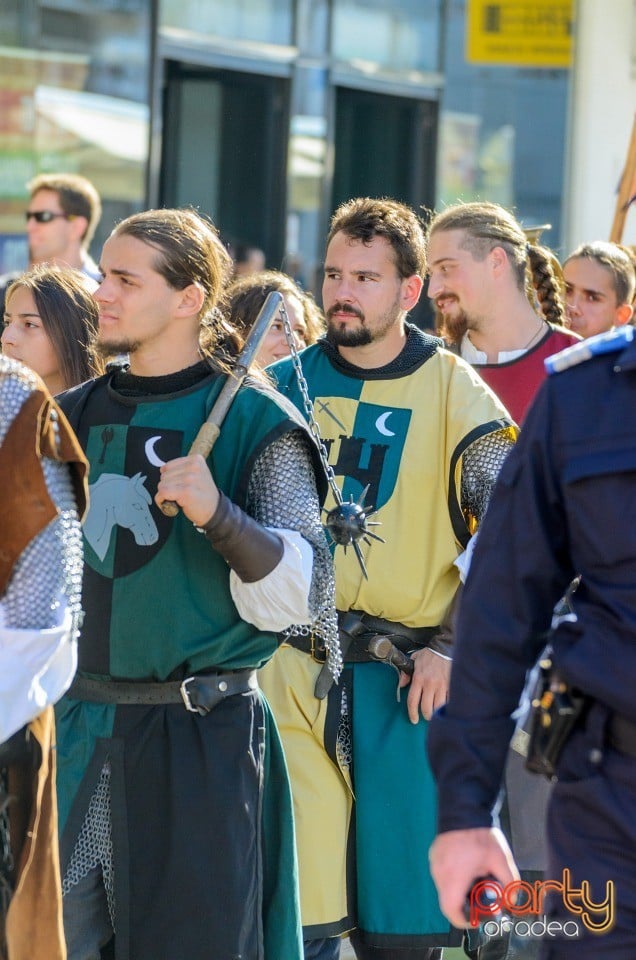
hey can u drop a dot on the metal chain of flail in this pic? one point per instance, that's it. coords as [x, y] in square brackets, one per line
[349, 521]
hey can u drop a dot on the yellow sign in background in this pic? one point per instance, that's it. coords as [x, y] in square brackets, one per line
[520, 33]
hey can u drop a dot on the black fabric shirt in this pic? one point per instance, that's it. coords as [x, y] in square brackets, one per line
[418, 348]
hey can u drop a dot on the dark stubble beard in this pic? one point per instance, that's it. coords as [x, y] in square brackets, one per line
[343, 336]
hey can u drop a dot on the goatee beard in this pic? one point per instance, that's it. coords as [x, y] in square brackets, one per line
[343, 336]
[106, 349]
[452, 326]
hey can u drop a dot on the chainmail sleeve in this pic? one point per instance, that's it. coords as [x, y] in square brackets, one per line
[481, 463]
[282, 494]
[48, 575]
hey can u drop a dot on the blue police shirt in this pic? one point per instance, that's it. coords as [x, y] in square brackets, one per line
[564, 504]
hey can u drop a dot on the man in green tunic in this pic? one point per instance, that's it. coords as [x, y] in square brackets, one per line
[177, 833]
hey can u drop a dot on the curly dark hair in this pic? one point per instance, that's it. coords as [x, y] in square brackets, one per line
[364, 218]
[245, 297]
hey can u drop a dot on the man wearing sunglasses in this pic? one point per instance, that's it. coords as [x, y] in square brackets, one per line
[63, 212]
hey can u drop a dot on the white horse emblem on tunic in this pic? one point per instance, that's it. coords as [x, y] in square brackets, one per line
[119, 501]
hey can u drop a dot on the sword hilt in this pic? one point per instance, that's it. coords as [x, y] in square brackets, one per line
[383, 648]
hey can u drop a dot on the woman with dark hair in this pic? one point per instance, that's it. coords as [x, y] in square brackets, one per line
[50, 321]
[245, 298]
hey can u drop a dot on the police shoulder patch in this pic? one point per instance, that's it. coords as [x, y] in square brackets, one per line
[607, 342]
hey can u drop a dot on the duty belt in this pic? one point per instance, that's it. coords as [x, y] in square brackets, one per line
[200, 693]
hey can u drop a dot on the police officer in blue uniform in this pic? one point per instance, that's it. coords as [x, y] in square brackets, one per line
[564, 505]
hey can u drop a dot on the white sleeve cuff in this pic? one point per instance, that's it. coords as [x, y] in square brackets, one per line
[438, 653]
[281, 598]
[464, 560]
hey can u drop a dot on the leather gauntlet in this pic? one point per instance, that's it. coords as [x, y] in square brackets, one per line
[250, 549]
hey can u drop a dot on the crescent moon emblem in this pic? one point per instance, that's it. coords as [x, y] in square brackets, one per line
[381, 424]
[152, 456]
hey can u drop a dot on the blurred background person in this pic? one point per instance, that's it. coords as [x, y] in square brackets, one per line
[247, 259]
[50, 321]
[599, 287]
[245, 298]
[62, 215]
[294, 267]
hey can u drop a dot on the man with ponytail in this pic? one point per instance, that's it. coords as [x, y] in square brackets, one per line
[484, 280]
[175, 809]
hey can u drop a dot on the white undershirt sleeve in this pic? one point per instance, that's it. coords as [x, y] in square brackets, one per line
[282, 597]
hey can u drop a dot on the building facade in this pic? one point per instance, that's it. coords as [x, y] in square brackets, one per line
[265, 114]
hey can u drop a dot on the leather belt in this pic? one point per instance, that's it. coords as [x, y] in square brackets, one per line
[200, 693]
[357, 628]
[308, 645]
[621, 734]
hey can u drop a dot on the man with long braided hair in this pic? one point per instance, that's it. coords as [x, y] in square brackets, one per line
[484, 277]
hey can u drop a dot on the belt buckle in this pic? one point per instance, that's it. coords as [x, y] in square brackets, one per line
[318, 654]
[185, 696]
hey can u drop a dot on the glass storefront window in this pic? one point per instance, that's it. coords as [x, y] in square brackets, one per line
[306, 168]
[74, 98]
[400, 36]
[501, 132]
[264, 21]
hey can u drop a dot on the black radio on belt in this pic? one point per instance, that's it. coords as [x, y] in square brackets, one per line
[556, 708]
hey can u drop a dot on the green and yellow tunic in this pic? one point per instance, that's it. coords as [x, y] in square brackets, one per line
[400, 433]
